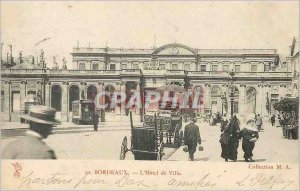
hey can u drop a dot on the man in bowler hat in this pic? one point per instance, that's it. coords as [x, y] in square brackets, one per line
[192, 137]
[41, 121]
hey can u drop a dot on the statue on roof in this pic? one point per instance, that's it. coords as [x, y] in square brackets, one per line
[55, 64]
[64, 63]
[20, 57]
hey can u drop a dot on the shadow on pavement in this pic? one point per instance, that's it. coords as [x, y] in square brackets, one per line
[202, 159]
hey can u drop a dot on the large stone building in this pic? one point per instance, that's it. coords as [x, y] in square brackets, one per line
[258, 77]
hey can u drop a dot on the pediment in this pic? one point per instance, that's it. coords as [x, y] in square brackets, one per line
[174, 49]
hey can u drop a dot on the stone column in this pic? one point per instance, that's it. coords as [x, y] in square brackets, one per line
[6, 116]
[47, 93]
[101, 88]
[138, 90]
[259, 99]
[64, 103]
[23, 90]
[242, 96]
[122, 88]
[207, 102]
[225, 93]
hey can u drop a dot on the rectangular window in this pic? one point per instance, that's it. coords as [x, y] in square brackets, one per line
[237, 68]
[112, 66]
[187, 67]
[253, 68]
[225, 68]
[95, 67]
[162, 66]
[203, 68]
[153, 64]
[266, 68]
[135, 66]
[174, 66]
[214, 68]
[81, 66]
[124, 66]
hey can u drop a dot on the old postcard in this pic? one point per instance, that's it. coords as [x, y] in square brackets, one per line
[150, 95]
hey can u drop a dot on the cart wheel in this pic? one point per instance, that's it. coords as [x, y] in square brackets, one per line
[160, 151]
[176, 137]
[124, 149]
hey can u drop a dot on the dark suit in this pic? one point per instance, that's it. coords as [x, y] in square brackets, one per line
[191, 138]
[28, 147]
[95, 121]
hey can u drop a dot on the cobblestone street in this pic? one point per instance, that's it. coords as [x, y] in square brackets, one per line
[80, 142]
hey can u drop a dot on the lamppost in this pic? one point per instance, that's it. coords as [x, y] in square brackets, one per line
[222, 98]
[232, 90]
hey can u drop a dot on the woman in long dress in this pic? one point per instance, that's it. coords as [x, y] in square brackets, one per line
[249, 135]
[230, 140]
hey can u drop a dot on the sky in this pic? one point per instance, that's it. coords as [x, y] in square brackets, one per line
[132, 24]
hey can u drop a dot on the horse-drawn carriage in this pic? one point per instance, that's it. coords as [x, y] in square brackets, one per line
[168, 124]
[170, 115]
[145, 142]
[82, 112]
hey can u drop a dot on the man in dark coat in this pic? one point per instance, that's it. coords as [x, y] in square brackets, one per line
[192, 137]
[41, 121]
[258, 122]
[273, 120]
[95, 121]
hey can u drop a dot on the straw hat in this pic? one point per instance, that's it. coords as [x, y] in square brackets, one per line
[41, 114]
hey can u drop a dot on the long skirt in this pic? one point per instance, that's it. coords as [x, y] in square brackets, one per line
[224, 150]
[229, 150]
[248, 148]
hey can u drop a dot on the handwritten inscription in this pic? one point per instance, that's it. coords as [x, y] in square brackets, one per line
[206, 181]
[202, 182]
[263, 180]
[126, 181]
[87, 180]
[55, 178]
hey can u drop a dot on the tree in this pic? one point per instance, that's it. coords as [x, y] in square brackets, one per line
[289, 110]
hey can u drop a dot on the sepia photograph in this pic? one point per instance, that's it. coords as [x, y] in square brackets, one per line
[181, 83]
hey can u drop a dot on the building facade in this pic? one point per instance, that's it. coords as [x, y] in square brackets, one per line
[258, 78]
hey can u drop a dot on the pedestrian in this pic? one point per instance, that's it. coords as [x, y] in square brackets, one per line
[192, 137]
[250, 136]
[273, 120]
[224, 137]
[230, 140]
[224, 122]
[95, 121]
[258, 123]
[41, 121]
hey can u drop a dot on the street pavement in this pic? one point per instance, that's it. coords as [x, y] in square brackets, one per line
[71, 141]
[270, 147]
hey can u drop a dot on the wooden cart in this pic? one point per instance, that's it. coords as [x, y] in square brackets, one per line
[145, 143]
